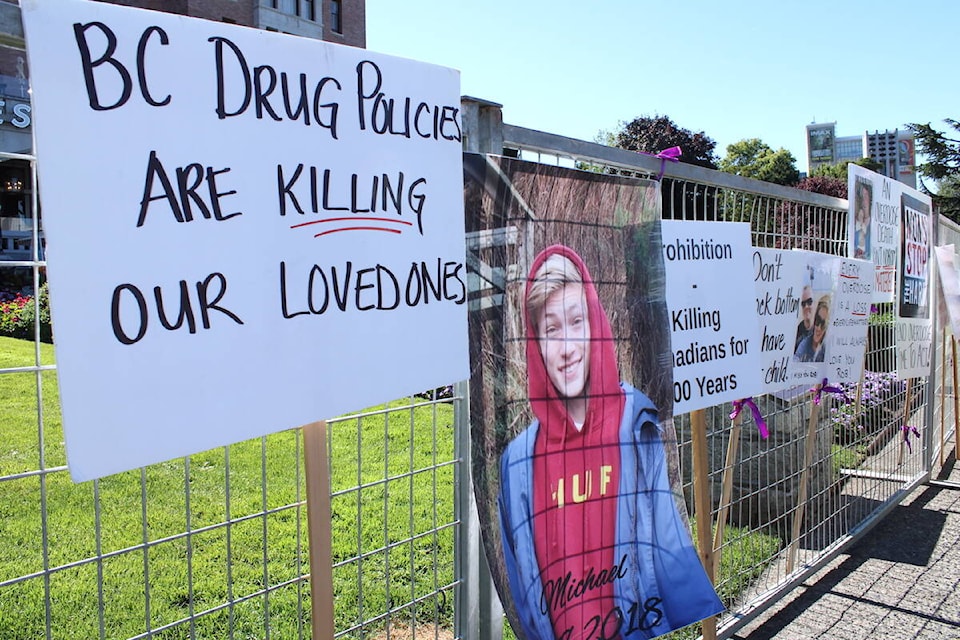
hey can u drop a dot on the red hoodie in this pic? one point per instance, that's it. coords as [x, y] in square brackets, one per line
[576, 476]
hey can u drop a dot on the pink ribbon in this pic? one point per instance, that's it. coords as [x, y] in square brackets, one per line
[672, 154]
[757, 418]
[907, 430]
[825, 388]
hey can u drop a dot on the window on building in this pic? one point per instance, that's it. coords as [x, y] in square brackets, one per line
[849, 150]
[309, 10]
[336, 16]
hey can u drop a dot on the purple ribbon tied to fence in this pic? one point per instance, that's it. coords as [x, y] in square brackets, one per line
[907, 430]
[826, 388]
[757, 418]
[672, 154]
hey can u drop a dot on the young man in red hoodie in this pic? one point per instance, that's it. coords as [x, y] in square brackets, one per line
[594, 544]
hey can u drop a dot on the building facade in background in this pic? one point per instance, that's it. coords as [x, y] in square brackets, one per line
[894, 150]
[338, 21]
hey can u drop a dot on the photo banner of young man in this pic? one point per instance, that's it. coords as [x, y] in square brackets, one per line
[713, 319]
[913, 325]
[247, 231]
[575, 461]
[873, 225]
[949, 298]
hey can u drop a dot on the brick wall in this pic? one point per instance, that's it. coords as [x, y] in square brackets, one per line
[353, 13]
[354, 23]
[238, 11]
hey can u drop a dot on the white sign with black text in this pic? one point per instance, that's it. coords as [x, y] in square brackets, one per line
[712, 320]
[247, 231]
[781, 297]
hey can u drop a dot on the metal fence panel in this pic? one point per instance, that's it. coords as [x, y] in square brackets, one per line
[944, 379]
[852, 469]
[215, 545]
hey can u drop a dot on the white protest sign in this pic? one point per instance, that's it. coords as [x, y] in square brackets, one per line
[847, 335]
[777, 277]
[816, 285]
[246, 231]
[913, 326]
[831, 329]
[873, 223]
[949, 288]
[711, 308]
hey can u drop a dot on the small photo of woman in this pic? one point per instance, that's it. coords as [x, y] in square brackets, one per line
[812, 348]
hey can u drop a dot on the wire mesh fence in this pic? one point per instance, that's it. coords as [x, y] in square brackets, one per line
[215, 545]
[784, 506]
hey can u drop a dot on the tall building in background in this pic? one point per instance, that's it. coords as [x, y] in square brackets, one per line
[894, 150]
[338, 21]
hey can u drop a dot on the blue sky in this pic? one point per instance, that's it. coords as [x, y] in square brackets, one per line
[732, 69]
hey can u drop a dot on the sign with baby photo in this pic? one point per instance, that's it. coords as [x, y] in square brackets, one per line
[781, 298]
[873, 226]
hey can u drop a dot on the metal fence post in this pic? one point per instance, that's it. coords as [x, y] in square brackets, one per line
[479, 614]
[482, 125]
[935, 328]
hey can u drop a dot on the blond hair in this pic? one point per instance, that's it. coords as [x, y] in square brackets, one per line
[824, 303]
[556, 272]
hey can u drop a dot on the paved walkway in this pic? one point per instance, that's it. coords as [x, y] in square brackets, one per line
[902, 580]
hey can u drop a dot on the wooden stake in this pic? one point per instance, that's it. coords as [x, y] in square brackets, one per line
[956, 400]
[943, 393]
[317, 470]
[863, 374]
[726, 491]
[906, 418]
[804, 478]
[702, 503]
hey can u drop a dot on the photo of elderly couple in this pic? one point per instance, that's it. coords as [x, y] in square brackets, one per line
[574, 449]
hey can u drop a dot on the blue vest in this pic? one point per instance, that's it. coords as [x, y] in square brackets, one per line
[663, 585]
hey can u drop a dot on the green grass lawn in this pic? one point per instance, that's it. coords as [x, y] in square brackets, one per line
[391, 527]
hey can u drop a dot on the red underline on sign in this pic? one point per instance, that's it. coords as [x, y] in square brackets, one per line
[352, 218]
[842, 275]
[323, 233]
[858, 314]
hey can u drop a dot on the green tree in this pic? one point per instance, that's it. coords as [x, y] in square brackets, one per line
[753, 158]
[652, 134]
[839, 170]
[942, 165]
